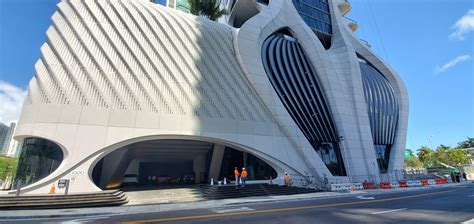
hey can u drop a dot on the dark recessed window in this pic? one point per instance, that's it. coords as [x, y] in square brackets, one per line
[38, 158]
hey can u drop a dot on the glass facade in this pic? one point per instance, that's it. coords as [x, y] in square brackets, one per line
[182, 5]
[296, 84]
[161, 2]
[38, 159]
[382, 109]
[256, 168]
[331, 157]
[382, 153]
[315, 13]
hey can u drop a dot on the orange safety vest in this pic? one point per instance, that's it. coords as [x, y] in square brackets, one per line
[244, 173]
[236, 173]
[287, 179]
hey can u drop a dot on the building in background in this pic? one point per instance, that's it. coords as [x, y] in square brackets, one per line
[128, 87]
[10, 146]
[470, 154]
[3, 136]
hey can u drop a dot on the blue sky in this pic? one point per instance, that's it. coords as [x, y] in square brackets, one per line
[418, 38]
[415, 37]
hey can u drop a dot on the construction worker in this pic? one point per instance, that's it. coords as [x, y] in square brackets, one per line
[236, 174]
[287, 179]
[243, 176]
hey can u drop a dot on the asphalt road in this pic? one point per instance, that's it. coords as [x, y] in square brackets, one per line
[433, 205]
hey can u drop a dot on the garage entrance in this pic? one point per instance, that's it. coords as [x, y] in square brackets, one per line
[174, 163]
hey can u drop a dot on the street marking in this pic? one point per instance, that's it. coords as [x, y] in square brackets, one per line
[365, 198]
[394, 210]
[469, 196]
[242, 209]
[284, 209]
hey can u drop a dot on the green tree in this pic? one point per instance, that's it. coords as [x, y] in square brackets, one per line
[469, 143]
[413, 162]
[426, 156]
[8, 167]
[441, 154]
[451, 156]
[207, 8]
[457, 156]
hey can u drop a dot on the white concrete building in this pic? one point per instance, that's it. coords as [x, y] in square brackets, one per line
[131, 87]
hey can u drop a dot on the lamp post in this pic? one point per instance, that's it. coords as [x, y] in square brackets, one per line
[341, 139]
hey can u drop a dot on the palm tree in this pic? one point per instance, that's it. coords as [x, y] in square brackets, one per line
[208, 8]
[427, 156]
[469, 143]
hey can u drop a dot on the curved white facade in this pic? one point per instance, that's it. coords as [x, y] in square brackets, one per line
[118, 72]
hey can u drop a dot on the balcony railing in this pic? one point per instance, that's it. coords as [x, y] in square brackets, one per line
[344, 7]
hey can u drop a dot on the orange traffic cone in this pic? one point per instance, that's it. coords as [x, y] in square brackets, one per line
[52, 189]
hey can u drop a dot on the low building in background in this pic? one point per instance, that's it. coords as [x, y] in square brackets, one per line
[131, 88]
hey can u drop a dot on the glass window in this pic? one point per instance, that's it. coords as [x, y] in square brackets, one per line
[257, 169]
[382, 153]
[331, 158]
[161, 2]
[318, 9]
[182, 5]
[38, 159]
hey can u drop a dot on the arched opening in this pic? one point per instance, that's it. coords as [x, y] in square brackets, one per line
[172, 163]
[38, 158]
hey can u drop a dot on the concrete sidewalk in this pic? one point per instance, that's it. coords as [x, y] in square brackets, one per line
[139, 209]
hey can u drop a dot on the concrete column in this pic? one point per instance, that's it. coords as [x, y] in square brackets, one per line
[113, 167]
[199, 168]
[216, 162]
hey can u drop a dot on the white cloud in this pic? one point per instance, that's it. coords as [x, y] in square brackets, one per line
[452, 63]
[11, 102]
[463, 26]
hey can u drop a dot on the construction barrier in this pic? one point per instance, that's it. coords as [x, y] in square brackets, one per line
[424, 182]
[413, 183]
[431, 182]
[385, 185]
[357, 186]
[394, 184]
[441, 181]
[402, 183]
[368, 185]
[341, 187]
[52, 189]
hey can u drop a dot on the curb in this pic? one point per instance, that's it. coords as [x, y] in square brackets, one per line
[53, 216]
